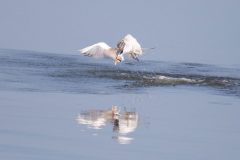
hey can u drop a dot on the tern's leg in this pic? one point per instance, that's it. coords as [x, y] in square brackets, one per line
[135, 57]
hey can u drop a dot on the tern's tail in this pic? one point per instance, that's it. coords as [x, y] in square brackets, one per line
[146, 49]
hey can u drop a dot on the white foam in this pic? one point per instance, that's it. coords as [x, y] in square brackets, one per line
[166, 79]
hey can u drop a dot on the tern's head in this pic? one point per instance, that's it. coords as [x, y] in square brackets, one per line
[119, 58]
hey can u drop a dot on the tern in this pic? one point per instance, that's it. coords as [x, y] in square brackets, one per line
[126, 46]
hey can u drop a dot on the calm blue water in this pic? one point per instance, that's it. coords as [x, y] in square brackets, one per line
[56, 106]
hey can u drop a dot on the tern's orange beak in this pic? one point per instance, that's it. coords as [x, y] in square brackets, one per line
[117, 60]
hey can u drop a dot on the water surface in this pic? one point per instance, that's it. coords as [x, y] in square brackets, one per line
[56, 106]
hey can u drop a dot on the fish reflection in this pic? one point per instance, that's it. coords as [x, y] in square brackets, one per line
[123, 122]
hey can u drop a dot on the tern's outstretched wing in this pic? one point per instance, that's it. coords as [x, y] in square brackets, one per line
[99, 50]
[129, 45]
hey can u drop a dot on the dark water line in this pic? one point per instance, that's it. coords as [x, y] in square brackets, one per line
[34, 71]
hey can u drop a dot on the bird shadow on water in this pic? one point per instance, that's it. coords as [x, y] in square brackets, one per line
[122, 122]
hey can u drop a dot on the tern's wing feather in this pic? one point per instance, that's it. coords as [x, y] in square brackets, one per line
[98, 50]
[130, 46]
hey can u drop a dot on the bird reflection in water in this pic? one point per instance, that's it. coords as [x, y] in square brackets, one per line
[123, 123]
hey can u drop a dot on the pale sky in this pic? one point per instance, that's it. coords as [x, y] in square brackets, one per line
[203, 31]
